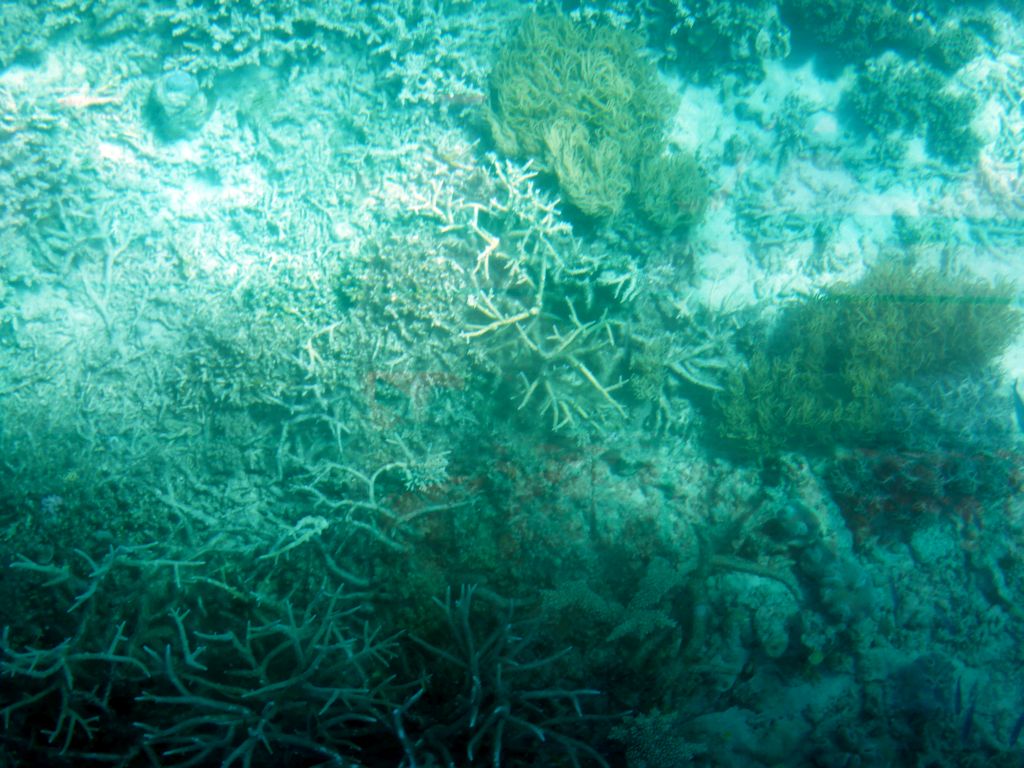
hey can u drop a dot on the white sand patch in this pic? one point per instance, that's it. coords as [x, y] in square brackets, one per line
[700, 124]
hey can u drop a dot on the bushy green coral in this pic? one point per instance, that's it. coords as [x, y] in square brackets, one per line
[591, 171]
[671, 191]
[598, 79]
[833, 360]
[588, 107]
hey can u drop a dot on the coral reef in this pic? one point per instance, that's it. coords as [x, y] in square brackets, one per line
[671, 191]
[330, 437]
[232, 664]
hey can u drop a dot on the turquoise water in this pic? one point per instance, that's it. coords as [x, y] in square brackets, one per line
[511, 384]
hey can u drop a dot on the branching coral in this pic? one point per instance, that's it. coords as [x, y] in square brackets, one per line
[532, 320]
[486, 701]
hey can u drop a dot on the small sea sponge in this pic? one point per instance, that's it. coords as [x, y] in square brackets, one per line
[177, 106]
